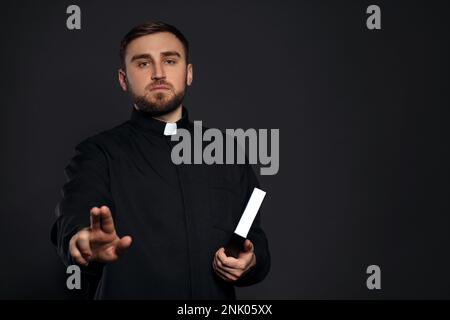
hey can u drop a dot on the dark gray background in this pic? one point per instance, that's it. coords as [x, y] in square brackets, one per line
[362, 115]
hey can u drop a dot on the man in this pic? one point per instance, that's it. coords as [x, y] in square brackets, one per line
[149, 228]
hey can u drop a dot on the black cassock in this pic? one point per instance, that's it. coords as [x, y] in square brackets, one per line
[177, 215]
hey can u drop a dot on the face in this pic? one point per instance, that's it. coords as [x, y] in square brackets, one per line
[156, 73]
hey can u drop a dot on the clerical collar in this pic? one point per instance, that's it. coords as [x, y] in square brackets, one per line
[147, 122]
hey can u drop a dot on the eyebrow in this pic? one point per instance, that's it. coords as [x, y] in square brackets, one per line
[147, 56]
[170, 53]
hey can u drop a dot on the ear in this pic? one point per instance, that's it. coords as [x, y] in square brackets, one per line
[123, 79]
[190, 74]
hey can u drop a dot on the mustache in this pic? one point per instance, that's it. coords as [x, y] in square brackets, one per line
[158, 83]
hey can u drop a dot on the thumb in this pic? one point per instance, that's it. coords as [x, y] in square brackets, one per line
[123, 244]
[248, 246]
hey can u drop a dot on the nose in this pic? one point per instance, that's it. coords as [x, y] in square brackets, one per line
[158, 72]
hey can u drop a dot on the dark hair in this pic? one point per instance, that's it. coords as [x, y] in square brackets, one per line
[151, 28]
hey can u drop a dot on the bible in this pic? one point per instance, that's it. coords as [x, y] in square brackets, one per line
[236, 242]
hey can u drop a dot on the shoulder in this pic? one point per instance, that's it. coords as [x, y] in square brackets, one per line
[108, 138]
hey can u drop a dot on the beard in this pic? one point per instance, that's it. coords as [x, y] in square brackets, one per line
[157, 103]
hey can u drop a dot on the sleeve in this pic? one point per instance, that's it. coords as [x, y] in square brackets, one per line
[87, 186]
[257, 236]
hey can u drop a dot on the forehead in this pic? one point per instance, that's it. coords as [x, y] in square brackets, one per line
[154, 44]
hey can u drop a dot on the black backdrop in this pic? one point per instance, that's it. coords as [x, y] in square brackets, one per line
[362, 115]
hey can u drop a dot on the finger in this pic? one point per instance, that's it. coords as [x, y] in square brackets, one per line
[229, 271]
[76, 255]
[222, 277]
[123, 244]
[232, 271]
[248, 253]
[223, 274]
[228, 261]
[83, 245]
[95, 218]
[248, 246]
[219, 274]
[239, 264]
[214, 263]
[107, 222]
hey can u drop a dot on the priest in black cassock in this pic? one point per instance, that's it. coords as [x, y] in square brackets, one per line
[145, 227]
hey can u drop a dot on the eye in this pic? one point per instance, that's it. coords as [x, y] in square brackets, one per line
[143, 64]
[170, 61]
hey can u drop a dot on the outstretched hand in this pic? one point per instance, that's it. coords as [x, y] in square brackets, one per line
[100, 241]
